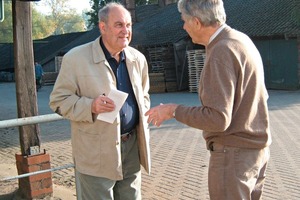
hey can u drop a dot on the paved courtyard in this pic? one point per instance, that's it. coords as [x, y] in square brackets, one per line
[179, 156]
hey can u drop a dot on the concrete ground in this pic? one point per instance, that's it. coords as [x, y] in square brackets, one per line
[179, 156]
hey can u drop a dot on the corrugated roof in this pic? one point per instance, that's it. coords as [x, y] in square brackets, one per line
[163, 27]
[47, 48]
[145, 11]
[259, 18]
[85, 38]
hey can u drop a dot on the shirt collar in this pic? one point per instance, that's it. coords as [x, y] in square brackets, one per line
[107, 54]
[217, 33]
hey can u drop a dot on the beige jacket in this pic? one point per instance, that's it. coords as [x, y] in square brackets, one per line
[84, 75]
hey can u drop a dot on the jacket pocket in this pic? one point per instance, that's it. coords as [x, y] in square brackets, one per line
[86, 150]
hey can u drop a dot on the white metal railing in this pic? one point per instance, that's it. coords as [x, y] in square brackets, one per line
[36, 120]
[29, 120]
[37, 172]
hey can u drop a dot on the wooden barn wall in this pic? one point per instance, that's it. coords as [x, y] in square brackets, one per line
[281, 62]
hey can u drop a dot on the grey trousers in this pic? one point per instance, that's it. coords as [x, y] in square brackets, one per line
[98, 188]
[237, 173]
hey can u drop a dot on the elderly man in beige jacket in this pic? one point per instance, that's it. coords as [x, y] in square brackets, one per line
[107, 155]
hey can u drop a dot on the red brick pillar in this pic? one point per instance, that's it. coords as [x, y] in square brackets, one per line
[35, 186]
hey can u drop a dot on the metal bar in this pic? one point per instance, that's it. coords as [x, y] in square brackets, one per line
[36, 120]
[37, 172]
[29, 120]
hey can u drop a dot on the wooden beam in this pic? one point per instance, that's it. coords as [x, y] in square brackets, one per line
[25, 75]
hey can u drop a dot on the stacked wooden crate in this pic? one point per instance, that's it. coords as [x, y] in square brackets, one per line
[50, 78]
[162, 72]
[156, 60]
[170, 69]
[157, 83]
[58, 60]
[196, 60]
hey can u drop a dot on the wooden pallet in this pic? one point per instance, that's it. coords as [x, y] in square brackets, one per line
[157, 83]
[196, 59]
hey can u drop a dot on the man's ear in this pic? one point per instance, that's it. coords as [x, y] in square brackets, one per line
[197, 23]
[101, 27]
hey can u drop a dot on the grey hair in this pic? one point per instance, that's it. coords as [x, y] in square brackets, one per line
[104, 11]
[209, 12]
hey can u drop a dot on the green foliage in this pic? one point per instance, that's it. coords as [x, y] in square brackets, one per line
[6, 33]
[93, 14]
[41, 25]
[61, 20]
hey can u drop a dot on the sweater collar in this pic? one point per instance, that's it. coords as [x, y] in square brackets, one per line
[217, 33]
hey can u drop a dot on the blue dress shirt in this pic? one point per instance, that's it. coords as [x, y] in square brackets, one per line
[129, 112]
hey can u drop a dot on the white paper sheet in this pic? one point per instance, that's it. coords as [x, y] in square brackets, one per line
[119, 98]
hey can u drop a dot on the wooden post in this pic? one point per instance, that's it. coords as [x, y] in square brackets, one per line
[25, 74]
[39, 186]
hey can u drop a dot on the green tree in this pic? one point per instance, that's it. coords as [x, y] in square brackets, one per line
[61, 20]
[64, 18]
[41, 25]
[93, 14]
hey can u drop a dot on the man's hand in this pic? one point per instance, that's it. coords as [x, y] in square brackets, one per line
[159, 114]
[102, 104]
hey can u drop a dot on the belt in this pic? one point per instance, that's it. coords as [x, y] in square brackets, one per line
[126, 136]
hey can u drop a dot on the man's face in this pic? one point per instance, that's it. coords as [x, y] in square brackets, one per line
[189, 26]
[117, 32]
[194, 28]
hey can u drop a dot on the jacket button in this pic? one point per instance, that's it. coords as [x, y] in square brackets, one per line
[117, 142]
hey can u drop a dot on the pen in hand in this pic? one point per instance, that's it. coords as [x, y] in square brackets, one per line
[104, 102]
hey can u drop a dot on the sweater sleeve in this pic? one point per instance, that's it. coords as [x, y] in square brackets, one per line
[216, 92]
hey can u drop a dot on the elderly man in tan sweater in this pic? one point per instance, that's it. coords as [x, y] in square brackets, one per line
[234, 112]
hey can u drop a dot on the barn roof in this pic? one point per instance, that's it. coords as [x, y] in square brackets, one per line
[163, 25]
[256, 18]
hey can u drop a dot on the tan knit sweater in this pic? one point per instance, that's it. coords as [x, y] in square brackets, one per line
[232, 91]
